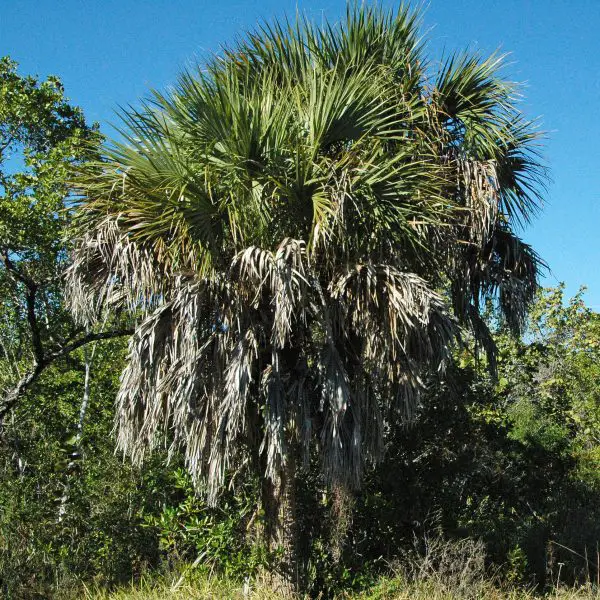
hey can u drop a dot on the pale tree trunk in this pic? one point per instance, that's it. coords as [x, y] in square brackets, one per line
[85, 401]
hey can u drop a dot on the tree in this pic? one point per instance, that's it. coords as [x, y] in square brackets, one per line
[552, 399]
[42, 137]
[557, 367]
[303, 229]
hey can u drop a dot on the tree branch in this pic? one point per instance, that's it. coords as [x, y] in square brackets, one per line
[12, 397]
[86, 339]
[32, 288]
[5, 145]
[12, 270]
[36, 338]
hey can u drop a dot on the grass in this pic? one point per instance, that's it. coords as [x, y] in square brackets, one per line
[436, 568]
[387, 589]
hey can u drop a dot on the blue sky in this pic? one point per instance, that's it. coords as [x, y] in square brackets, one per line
[110, 52]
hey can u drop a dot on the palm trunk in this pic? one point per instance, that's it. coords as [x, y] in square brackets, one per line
[281, 529]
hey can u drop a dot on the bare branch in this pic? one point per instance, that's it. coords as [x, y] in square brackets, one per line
[14, 395]
[90, 337]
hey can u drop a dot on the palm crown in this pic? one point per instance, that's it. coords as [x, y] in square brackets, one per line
[302, 230]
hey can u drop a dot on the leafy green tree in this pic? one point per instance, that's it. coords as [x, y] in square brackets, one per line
[281, 225]
[552, 392]
[557, 366]
[42, 137]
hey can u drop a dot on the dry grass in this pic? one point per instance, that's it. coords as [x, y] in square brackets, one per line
[396, 589]
[389, 589]
[207, 589]
[435, 568]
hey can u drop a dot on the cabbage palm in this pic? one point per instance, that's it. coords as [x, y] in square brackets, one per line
[302, 230]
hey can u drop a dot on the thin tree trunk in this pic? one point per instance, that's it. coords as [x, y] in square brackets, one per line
[89, 357]
[86, 393]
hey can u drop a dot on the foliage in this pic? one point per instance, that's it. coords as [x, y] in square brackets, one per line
[302, 241]
[42, 139]
[42, 444]
[501, 460]
[69, 510]
[215, 538]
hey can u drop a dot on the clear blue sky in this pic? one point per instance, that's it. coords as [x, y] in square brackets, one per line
[110, 52]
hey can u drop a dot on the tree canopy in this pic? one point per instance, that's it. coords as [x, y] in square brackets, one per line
[43, 138]
[303, 228]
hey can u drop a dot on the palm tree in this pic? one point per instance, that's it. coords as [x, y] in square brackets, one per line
[303, 230]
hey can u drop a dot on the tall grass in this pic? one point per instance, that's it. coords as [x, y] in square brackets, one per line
[388, 589]
[434, 568]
